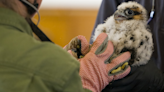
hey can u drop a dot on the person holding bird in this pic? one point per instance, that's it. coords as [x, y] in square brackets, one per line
[29, 65]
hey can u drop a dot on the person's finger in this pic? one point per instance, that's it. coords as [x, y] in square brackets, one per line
[102, 47]
[106, 52]
[121, 58]
[99, 44]
[118, 67]
[72, 44]
[129, 79]
[84, 44]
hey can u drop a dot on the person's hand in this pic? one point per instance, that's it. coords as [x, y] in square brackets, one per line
[77, 46]
[146, 78]
[95, 74]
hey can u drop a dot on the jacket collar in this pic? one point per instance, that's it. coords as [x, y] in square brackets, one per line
[11, 18]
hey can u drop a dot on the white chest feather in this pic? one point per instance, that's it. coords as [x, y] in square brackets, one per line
[130, 35]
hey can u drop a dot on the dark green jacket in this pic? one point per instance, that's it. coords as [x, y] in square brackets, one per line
[28, 65]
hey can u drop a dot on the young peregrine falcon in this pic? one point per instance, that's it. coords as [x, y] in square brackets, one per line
[128, 30]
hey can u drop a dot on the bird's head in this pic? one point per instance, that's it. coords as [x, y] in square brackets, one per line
[130, 11]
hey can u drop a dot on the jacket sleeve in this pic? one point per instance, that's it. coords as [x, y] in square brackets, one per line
[59, 71]
[73, 84]
[32, 66]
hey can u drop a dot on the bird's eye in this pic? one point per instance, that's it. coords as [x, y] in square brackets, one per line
[129, 12]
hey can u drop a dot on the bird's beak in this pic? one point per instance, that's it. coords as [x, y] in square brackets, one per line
[119, 16]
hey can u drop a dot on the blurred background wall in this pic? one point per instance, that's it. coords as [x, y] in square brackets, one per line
[62, 20]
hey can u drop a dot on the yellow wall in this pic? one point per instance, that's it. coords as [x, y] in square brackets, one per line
[63, 25]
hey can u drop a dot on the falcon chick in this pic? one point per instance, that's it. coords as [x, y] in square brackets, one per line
[128, 30]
